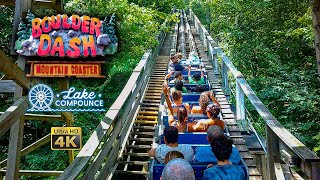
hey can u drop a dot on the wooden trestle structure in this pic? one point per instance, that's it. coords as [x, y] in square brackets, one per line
[118, 147]
[15, 81]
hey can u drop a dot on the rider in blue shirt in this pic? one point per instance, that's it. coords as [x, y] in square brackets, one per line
[224, 170]
[204, 154]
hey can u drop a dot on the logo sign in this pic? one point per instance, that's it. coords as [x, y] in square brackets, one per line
[66, 138]
[66, 36]
[63, 36]
[42, 98]
[62, 69]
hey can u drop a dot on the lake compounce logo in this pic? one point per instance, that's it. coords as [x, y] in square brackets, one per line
[42, 98]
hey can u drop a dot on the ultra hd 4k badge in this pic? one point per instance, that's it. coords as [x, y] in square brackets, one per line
[42, 98]
[66, 138]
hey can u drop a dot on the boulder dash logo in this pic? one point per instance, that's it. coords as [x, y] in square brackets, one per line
[42, 99]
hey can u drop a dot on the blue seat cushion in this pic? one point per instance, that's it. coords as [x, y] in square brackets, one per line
[190, 138]
[192, 86]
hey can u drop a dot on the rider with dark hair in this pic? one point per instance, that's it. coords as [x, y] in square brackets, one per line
[171, 144]
[200, 88]
[204, 154]
[213, 111]
[178, 86]
[222, 149]
[183, 125]
[177, 76]
[175, 64]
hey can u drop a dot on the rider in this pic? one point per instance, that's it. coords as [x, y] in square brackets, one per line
[204, 102]
[177, 100]
[196, 78]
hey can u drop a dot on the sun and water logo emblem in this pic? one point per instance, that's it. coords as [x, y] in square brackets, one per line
[42, 98]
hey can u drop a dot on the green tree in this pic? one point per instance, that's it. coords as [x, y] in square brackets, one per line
[271, 43]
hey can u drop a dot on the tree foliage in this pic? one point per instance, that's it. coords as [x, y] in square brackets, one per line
[164, 6]
[271, 43]
[136, 28]
[6, 27]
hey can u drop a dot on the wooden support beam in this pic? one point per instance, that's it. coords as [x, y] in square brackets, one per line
[278, 171]
[7, 86]
[41, 117]
[12, 114]
[315, 170]
[70, 152]
[7, 2]
[240, 108]
[16, 132]
[294, 175]
[273, 152]
[67, 116]
[182, 36]
[281, 133]
[43, 4]
[58, 5]
[26, 6]
[30, 148]
[35, 173]
[16, 21]
[224, 75]
[12, 71]
[14, 152]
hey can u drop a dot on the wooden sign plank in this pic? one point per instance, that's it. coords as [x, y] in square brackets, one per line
[7, 86]
[35, 173]
[7, 2]
[41, 117]
[62, 69]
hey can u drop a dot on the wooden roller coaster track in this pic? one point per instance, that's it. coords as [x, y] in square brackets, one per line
[118, 147]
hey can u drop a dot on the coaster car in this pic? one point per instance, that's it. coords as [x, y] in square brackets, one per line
[185, 77]
[196, 140]
[185, 72]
